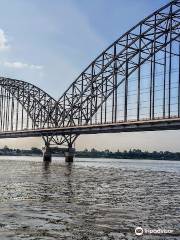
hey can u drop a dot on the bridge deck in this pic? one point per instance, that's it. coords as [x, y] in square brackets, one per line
[129, 126]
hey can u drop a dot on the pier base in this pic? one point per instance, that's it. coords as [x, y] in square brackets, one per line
[69, 155]
[47, 154]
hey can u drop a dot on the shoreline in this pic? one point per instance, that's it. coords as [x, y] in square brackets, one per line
[88, 157]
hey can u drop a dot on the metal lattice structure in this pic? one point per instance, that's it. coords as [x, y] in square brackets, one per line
[135, 80]
[24, 106]
[89, 93]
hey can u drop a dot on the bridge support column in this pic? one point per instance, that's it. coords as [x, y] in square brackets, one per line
[69, 155]
[47, 154]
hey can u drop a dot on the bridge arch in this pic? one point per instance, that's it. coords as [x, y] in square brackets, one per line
[35, 105]
[146, 42]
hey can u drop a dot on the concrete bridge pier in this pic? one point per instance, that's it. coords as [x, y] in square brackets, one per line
[69, 155]
[47, 156]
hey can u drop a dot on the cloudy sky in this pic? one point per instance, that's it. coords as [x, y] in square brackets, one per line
[50, 42]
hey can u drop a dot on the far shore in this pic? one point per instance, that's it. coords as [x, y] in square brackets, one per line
[134, 154]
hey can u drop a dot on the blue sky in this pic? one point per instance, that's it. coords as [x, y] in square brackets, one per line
[50, 42]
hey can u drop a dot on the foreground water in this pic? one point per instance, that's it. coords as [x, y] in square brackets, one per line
[90, 199]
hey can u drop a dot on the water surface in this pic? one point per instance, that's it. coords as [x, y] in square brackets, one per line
[90, 199]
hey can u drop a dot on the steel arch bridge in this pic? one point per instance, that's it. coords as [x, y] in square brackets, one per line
[133, 85]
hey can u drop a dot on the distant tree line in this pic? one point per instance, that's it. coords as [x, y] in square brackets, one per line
[131, 154]
[93, 153]
[18, 152]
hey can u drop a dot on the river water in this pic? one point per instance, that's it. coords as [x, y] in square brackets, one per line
[101, 199]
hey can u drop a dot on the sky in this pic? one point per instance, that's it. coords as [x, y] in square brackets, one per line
[50, 42]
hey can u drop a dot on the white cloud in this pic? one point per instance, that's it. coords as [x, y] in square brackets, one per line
[20, 65]
[3, 41]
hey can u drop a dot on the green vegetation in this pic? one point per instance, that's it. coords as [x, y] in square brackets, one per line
[131, 154]
[19, 152]
[93, 153]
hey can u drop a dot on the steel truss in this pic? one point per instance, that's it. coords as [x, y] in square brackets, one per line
[88, 94]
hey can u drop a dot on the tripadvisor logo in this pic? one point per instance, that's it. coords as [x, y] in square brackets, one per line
[140, 231]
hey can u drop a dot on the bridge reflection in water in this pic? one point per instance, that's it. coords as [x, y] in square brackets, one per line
[133, 85]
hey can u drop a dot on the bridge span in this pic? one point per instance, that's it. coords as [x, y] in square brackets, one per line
[130, 126]
[133, 85]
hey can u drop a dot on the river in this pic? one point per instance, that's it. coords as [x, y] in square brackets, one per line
[103, 199]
